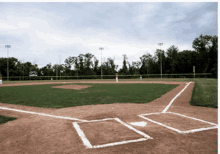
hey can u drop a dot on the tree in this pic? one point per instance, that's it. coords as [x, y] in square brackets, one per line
[124, 69]
[69, 61]
[172, 53]
[145, 67]
[81, 64]
[160, 57]
[88, 64]
[213, 57]
[112, 66]
[96, 69]
[202, 45]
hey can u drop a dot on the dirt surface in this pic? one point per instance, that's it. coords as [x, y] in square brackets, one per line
[110, 131]
[178, 122]
[41, 134]
[78, 87]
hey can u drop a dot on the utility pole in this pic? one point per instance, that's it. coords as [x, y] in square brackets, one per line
[160, 44]
[7, 46]
[101, 59]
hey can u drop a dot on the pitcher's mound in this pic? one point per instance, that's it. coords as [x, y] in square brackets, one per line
[78, 87]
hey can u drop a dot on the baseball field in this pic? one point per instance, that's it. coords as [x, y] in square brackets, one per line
[102, 116]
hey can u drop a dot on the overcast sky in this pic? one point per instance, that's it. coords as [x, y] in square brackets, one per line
[43, 31]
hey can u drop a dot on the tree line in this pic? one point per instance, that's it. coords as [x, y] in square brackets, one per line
[204, 57]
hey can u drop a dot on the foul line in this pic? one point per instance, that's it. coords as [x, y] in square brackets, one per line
[42, 114]
[167, 107]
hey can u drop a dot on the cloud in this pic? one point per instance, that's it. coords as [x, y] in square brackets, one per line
[5, 26]
[206, 19]
[24, 24]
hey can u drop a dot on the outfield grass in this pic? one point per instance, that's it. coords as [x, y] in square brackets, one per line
[205, 93]
[4, 119]
[48, 97]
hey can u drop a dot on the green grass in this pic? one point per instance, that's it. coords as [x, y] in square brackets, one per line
[4, 119]
[205, 93]
[48, 97]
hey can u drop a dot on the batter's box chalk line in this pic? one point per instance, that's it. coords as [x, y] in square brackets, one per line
[177, 130]
[88, 144]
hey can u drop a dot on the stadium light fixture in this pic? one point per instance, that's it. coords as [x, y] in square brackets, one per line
[160, 44]
[101, 59]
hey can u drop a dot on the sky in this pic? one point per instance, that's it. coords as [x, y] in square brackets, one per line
[43, 33]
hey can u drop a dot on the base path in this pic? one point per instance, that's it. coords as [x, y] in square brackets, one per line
[35, 133]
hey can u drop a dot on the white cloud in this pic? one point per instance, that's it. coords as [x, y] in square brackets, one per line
[5, 26]
[24, 24]
[205, 20]
[190, 5]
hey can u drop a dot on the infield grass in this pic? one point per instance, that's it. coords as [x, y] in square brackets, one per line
[4, 119]
[48, 97]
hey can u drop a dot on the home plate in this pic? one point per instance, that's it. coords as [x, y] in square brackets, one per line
[142, 124]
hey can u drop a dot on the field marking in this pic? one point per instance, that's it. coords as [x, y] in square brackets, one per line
[193, 118]
[82, 135]
[177, 130]
[174, 129]
[118, 143]
[132, 128]
[167, 107]
[199, 129]
[141, 124]
[88, 145]
[42, 114]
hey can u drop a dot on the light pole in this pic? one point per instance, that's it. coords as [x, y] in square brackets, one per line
[7, 46]
[101, 60]
[160, 44]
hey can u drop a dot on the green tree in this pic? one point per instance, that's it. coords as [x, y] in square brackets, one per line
[81, 64]
[88, 64]
[172, 60]
[160, 58]
[202, 45]
[96, 68]
[124, 69]
[213, 57]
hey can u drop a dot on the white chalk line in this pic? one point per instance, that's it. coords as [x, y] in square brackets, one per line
[167, 107]
[118, 143]
[132, 128]
[193, 118]
[82, 135]
[88, 144]
[177, 130]
[174, 129]
[199, 129]
[42, 114]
